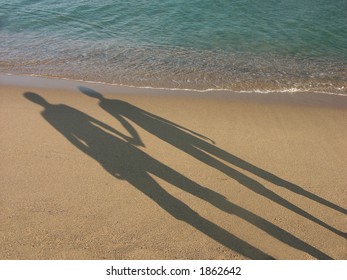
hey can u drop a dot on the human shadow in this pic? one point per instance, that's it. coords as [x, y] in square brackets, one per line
[125, 161]
[203, 149]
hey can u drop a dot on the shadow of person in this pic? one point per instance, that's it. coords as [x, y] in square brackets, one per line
[201, 148]
[125, 161]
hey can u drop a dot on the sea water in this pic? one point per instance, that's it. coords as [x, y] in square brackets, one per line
[237, 45]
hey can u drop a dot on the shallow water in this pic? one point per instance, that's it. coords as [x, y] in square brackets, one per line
[239, 45]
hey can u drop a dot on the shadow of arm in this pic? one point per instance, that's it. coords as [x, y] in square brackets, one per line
[134, 139]
[179, 126]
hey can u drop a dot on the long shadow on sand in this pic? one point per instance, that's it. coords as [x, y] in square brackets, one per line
[200, 148]
[117, 155]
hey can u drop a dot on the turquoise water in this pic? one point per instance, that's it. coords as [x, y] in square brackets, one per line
[240, 45]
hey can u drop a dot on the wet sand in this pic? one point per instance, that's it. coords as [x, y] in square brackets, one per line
[90, 171]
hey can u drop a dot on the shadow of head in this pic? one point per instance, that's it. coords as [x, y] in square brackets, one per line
[90, 92]
[35, 98]
[94, 94]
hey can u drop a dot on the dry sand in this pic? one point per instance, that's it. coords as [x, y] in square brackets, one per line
[155, 174]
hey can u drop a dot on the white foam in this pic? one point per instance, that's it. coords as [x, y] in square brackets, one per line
[261, 91]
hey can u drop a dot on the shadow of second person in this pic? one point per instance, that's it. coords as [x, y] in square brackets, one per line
[124, 161]
[203, 149]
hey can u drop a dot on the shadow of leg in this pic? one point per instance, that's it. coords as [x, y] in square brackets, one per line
[213, 150]
[146, 184]
[221, 203]
[260, 189]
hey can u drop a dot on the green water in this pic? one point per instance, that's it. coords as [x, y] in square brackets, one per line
[293, 45]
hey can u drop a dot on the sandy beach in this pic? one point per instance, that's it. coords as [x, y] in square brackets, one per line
[91, 171]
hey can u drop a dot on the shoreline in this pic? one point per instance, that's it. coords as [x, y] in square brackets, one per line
[294, 98]
[28, 78]
[92, 171]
